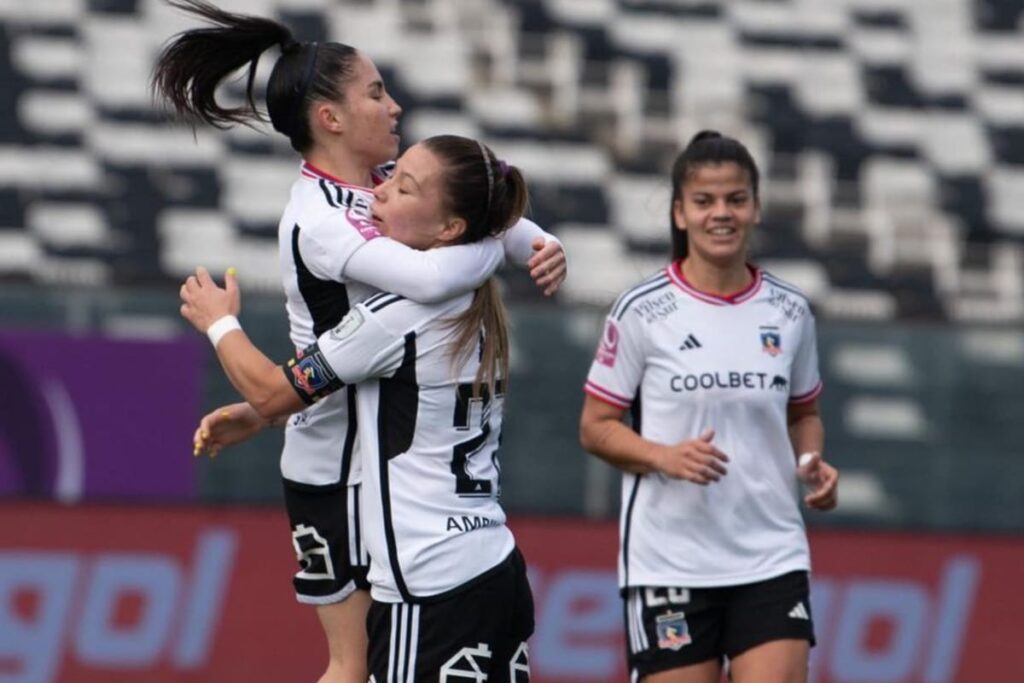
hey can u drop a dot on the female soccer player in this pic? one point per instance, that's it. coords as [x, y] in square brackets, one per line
[331, 103]
[450, 595]
[717, 361]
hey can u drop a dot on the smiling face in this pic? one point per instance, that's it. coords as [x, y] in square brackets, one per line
[410, 207]
[718, 211]
[368, 116]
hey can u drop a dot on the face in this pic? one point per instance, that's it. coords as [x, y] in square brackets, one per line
[718, 210]
[408, 207]
[368, 116]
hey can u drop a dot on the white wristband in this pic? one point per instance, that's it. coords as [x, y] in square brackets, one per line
[217, 330]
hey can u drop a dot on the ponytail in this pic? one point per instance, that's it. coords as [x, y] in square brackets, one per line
[486, 312]
[190, 69]
[490, 195]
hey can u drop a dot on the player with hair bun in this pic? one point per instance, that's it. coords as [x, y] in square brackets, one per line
[716, 360]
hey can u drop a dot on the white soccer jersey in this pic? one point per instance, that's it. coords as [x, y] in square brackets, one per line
[430, 512]
[683, 361]
[326, 222]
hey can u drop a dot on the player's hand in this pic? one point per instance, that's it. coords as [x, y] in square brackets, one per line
[547, 265]
[694, 460]
[822, 480]
[204, 303]
[225, 427]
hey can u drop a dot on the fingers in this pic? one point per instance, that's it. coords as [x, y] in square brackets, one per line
[231, 285]
[548, 265]
[203, 277]
[707, 435]
[826, 494]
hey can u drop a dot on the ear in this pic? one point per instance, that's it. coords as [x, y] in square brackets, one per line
[677, 215]
[328, 117]
[757, 212]
[453, 230]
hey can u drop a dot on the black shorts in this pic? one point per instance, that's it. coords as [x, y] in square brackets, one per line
[328, 546]
[668, 628]
[478, 633]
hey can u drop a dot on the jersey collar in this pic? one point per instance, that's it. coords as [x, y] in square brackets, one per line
[310, 171]
[675, 273]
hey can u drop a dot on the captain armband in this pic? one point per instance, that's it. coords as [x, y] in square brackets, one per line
[311, 376]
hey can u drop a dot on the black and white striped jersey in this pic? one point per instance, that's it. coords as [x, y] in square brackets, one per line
[331, 258]
[429, 449]
[684, 361]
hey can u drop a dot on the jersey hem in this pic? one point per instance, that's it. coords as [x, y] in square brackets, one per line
[591, 388]
[808, 396]
[717, 581]
[395, 596]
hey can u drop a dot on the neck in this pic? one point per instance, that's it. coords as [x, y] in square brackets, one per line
[342, 166]
[721, 280]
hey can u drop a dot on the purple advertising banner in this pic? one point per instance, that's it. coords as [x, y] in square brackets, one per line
[89, 417]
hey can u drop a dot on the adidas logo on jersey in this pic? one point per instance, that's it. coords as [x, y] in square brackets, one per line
[690, 343]
[799, 612]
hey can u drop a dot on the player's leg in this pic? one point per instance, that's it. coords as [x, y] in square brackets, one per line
[332, 572]
[769, 631]
[344, 624]
[779, 661]
[672, 634]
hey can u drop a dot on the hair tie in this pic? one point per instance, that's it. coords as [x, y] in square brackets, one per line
[289, 44]
[503, 168]
[490, 174]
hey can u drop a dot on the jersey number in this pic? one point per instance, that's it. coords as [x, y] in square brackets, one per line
[466, 408]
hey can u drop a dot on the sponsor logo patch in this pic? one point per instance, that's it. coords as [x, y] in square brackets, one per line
[348, 325]
[673, 631]
[608, 349]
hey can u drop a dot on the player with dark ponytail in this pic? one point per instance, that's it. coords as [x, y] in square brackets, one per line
[716, 360]
[331, 103]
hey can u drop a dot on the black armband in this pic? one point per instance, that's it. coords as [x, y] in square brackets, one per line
[311, 376]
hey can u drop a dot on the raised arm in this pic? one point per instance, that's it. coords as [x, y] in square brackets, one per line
[424, 276]
[212, 311]
[530, 246]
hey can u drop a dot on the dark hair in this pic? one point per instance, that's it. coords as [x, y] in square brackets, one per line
[490, 196]
[707, 147]
[192, 66]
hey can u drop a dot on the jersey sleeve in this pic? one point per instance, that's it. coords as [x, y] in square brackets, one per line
[618, 365]
[518, 241]
[425, 276]
[805, 380]
[360, 347]
[326, 248]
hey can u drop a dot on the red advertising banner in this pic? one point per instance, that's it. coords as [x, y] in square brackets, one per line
[119, 593]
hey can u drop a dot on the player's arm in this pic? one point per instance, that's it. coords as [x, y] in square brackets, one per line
[229, 425]
[806, 429]
[212, 310]
[424, 276]
[603, 433]
[438, 274]
[530, 246]
[807, 434]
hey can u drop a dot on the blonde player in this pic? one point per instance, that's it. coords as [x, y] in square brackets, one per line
[330, 102]
[716, 360]
[450, 595]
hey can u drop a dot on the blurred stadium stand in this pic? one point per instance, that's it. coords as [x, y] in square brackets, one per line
[890, 132]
